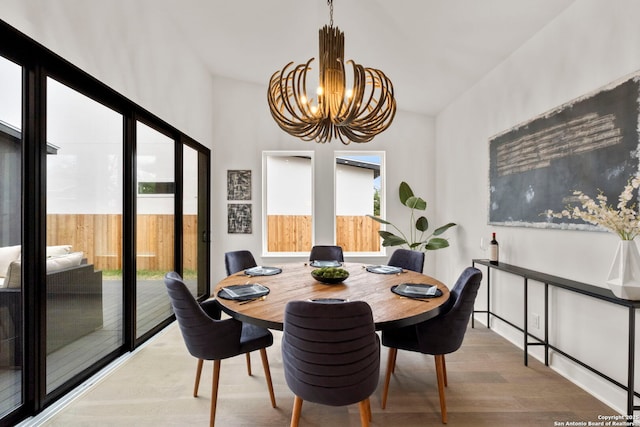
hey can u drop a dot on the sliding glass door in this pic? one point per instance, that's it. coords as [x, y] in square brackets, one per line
[84, 306]
[11, 313]
[95, 207]
[155, 225]
[195, 224]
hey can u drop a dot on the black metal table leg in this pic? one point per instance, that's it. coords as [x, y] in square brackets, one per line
[526, 322]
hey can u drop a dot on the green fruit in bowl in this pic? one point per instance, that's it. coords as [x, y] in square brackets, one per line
[330, 274]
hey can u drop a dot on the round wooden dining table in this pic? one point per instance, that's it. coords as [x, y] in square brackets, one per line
[296, 283]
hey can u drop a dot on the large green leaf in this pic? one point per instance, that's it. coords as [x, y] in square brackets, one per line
[393, 240]
[444, 228]
[405, 192]
[385, 234]
[416, 203]
[375, 218]
[422, 224]
[414, 245]
[436, 243]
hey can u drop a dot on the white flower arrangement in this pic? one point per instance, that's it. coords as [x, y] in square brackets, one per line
[624, 220]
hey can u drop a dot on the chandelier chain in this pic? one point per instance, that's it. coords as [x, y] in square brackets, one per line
[330, 3]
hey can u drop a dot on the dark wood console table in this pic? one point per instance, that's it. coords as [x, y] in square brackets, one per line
[573, 286]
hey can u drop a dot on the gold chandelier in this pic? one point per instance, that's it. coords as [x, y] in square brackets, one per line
[356, 114]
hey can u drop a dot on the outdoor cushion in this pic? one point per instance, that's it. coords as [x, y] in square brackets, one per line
[8, 254]
[63, 262]
[58, 250]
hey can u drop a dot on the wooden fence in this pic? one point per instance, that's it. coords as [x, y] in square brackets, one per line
[291, 233]
[100, 238]
[357, 234]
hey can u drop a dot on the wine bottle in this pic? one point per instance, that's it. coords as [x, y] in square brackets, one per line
[493, 250]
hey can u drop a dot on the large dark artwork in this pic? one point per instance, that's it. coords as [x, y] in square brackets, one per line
[589, 144]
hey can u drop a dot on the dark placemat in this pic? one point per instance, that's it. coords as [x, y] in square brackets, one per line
[416, 290]
[384, 269]
[243, 292]
[262, 271]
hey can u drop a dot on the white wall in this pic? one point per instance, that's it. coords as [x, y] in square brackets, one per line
[354, 191]
[588, 46]
[127, 45]
[290, 186]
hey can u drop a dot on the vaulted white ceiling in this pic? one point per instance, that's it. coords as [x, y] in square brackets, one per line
[432, 50]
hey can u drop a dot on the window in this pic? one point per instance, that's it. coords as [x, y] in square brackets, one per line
[155, 220]
[67, 147]
[156, 188]
[287, 202]
[195, 220]
[84, 233]
[11, 313]
[359, 184]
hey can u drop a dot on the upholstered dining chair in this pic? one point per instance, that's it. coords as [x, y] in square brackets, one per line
[407, 259]
[235, 261]
[209, 338]
[330, 355]
[326, 253]
[438, 336]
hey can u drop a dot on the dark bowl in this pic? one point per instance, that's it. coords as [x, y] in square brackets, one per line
[329, 280]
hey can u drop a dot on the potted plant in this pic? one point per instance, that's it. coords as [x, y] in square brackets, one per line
[418, 227]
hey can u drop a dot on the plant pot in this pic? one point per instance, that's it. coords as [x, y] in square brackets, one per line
[624, 275]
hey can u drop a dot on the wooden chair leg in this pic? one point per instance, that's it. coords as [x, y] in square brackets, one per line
[364, 415]
[391, 359]
[440, 376]
[248, 363]
[214, 391]
[198, 372]
[393, 365]
[444, 371]
[267, 375]
[297, 409]
[369, 408]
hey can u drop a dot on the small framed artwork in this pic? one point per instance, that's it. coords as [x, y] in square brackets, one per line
[239, 218]
[238, 185]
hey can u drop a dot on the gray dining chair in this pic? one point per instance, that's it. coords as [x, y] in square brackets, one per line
[209, 338]
[330, 355]
[235, 261]
[326, 253]
[407, 259]
[438, 336]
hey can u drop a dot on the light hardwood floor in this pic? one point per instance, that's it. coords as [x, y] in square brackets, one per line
[488, 386]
